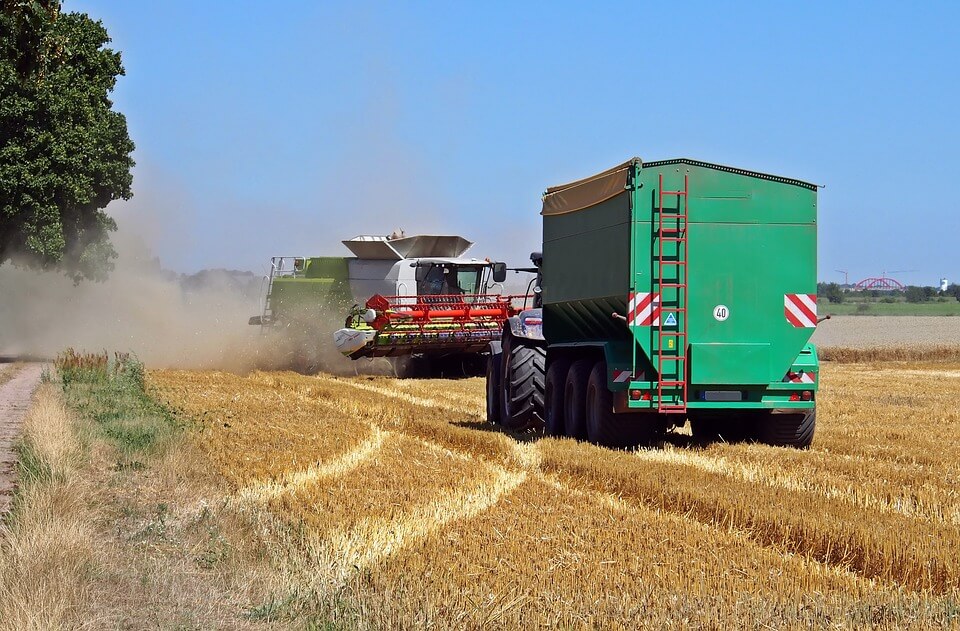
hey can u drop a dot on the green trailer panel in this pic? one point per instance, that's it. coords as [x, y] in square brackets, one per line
[749, 245]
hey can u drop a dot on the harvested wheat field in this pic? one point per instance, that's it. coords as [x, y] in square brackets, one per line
[409, 511]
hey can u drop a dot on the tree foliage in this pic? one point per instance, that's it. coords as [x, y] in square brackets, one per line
[831, 291]
[916, 294]
[64, 152]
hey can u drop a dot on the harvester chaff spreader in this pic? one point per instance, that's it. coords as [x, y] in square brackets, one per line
[415, 296]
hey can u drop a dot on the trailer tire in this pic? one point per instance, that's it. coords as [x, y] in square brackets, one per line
[575, 399]
[553, 396]
[605, 428]
[524, 382]
[494, 387]
[792, 429]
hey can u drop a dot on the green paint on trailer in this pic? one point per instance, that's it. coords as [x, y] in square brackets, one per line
[751, 240]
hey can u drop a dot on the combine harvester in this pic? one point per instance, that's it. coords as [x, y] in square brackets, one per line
[671, 290]
[414, 299]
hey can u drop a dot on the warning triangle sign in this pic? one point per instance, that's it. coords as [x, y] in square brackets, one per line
[671, 320]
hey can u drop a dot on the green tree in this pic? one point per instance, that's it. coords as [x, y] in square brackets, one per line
[833, 293]
[915, 294]
[64, 152]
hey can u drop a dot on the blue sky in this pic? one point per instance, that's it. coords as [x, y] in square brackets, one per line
[281, 128]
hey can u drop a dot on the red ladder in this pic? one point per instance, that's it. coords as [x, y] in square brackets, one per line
[672, 360]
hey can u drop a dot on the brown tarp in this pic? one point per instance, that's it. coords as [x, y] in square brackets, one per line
[567, 198]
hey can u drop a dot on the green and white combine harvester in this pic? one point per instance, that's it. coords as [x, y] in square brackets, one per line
[670, 291]
[414, 297]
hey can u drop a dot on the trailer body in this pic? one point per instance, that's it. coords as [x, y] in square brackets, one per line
[669, 290]
[718, 313]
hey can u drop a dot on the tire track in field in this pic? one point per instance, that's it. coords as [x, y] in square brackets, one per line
[756, 474]
[339, 466]
[741, 472]
[376, 539]
[403, 396]
[781, 537]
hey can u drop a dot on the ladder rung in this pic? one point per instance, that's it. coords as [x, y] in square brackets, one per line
[684, 193]
[677, 239]
[672, 383]
[672, 262]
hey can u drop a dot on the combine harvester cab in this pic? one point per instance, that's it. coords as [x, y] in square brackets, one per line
[677, 290]
[411, 296]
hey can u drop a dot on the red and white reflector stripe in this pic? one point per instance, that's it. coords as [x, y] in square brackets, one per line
[624, 376]
[800, 310]
[643, 309]
[800, 377]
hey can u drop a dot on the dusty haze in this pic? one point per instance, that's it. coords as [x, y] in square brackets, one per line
[141, 308]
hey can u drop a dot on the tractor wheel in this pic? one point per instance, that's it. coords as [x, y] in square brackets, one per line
[523, 381]
[792, 429]
[553, 396]
[614, 430]
[575, 399]
[494, 405]
[721, 426]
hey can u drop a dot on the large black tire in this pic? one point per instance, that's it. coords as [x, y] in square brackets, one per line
[494, 387]
[793, 429]
[523, 386]
[575, 399]
[722, 426]
[605, 428]
[553, 396]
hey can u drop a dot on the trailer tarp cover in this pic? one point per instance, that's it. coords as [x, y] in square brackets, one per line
[567, 198]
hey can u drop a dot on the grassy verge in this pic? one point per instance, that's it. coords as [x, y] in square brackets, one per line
[118, 523]
[46, 548]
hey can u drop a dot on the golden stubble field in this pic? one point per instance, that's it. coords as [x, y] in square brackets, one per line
[410, 511]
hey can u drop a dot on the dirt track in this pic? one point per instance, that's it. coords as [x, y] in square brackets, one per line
[15, 397]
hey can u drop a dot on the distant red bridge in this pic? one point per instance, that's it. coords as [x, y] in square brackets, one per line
[883, 283]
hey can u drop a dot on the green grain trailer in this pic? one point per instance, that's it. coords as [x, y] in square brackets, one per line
[671, 290]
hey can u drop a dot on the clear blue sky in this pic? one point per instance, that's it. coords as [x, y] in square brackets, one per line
[281, 128]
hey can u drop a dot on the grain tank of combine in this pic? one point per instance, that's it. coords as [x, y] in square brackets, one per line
[671, 290]
[397, 296]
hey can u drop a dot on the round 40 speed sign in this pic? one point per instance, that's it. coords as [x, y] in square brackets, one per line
[721, 313]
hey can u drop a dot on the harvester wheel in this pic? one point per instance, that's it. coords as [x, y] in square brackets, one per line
[493, 387]
[553, 396]
[575, 399]
[793, 429]
[524, 387]
[609, 429]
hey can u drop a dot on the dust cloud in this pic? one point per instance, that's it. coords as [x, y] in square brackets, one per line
[166, 319]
